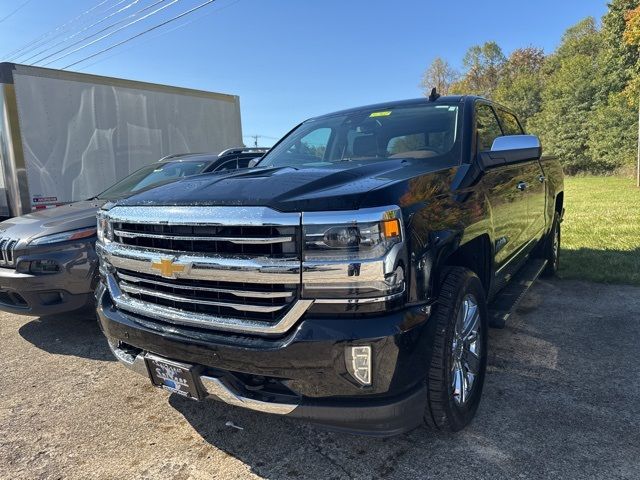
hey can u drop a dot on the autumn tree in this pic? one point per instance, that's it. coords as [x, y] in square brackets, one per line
[482, 69]
[569, 96]
[520, 84]
[440, 75]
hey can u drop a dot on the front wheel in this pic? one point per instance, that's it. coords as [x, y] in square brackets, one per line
[459, 352]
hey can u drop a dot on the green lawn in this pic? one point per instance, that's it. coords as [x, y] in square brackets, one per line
[601, 230]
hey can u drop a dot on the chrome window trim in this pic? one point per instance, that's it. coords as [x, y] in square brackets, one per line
[227, 324]
[203, 215]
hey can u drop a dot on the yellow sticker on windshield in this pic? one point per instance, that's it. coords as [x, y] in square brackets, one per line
[380, 114]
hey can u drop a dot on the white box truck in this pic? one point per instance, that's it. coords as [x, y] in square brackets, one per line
[66, 136]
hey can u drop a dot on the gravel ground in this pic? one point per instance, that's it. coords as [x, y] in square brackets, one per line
[561, 401]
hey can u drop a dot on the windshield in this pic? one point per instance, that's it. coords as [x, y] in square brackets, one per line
[152, 176]
[420, 132]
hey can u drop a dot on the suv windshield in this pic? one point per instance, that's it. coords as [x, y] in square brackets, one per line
[152, 176]
[417, 131]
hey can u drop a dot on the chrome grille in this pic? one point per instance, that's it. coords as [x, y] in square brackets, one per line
[235, 269]
[7, 247]
[210, 297]
[276, 241]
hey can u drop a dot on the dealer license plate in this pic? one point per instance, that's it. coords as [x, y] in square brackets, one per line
[175, 377]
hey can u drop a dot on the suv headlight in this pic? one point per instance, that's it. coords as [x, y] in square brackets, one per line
[354, 257]
[104, 228]
[64, 236]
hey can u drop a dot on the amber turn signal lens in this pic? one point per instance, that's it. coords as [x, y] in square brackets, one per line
[391, 228]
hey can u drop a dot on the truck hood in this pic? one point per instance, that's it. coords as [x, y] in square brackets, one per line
[338, 186]
[52, 220]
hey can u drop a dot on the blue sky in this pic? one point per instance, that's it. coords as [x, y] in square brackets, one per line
[292, 59]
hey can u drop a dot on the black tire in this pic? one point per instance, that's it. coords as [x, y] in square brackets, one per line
[444, 410]
[551, 249]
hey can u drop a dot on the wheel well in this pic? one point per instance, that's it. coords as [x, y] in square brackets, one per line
[559, 202]
[476, 256]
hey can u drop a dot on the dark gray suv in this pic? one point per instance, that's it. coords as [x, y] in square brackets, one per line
[48, 263]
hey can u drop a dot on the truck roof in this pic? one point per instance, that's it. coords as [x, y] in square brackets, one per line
[415, 101]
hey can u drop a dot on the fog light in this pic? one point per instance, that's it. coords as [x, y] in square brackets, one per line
[358, 363]
[38, 266]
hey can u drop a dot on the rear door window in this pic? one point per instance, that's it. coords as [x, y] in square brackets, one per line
[509, 123]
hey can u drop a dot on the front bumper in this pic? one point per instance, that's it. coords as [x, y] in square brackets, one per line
[71, 288]
[303, 374]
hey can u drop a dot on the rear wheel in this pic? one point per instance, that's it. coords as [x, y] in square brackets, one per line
[459, 352]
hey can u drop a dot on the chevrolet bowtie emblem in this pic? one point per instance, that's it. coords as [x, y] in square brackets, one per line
[167, 268]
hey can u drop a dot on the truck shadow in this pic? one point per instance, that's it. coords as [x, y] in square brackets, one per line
[76, 334]
[556, 389]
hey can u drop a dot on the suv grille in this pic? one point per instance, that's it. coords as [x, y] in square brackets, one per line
[7, 246]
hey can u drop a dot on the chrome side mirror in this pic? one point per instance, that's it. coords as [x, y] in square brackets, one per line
[511, 149]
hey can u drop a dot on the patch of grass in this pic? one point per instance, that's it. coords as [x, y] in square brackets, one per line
[601, 230]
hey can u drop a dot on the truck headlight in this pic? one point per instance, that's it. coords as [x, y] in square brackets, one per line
[354, 257]
[64, 236]
[354, 241]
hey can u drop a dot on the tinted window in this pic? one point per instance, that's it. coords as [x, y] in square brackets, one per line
[152, 176]
[407, 143]
[509, 123]
[367, 135]
[487, 127]
[313, 144]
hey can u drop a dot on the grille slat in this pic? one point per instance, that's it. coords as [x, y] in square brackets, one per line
[274, 241]
[244, 307]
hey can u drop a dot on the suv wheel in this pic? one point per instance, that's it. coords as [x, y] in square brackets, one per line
[459, 352]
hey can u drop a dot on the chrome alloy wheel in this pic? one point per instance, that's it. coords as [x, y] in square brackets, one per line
[466, 350]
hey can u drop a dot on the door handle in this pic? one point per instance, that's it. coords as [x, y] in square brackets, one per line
[522, 186]
[542, 178]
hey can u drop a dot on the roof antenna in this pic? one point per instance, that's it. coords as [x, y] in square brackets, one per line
[434, 95]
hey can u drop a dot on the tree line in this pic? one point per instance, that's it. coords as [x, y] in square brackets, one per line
[582, 99]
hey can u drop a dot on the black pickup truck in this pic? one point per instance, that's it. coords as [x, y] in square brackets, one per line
[350, 278]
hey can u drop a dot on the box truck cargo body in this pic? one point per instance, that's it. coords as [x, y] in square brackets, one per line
[67, 136]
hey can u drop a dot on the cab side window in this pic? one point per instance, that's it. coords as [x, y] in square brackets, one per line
[487, 127]
[510, 123]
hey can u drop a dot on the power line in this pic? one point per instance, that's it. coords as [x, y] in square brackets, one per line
[108, 27]
[45, 42]
[256, 137]
[16, 10]
[198, 7]
[39, 39]
[66, 39]
[106, 35]
[158, 35]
